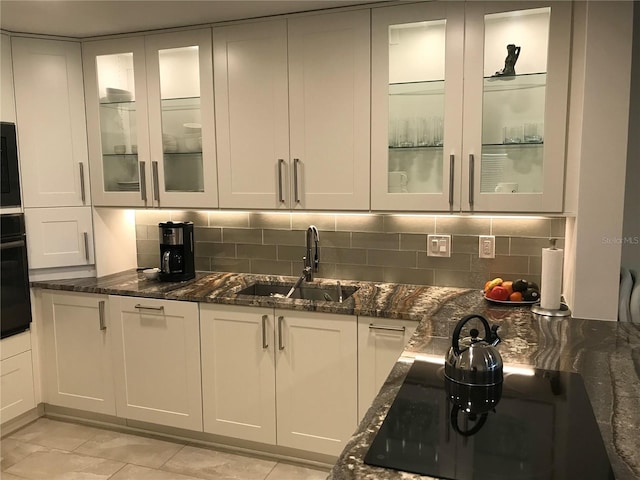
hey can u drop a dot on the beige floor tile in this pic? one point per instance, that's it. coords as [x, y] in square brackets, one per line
[214, 465]
[138, 450]
[57, 465]
[134, 472]
[13, 451]
[285, 471]
[54, 434]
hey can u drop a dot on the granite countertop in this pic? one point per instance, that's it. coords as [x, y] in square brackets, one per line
[607, 354]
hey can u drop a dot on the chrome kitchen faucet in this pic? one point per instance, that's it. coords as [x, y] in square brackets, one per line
[310, 266]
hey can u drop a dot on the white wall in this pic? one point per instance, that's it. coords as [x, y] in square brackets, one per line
[7, 101]
[602, 157]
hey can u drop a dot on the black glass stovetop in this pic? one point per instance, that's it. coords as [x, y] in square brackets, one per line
[538, 424]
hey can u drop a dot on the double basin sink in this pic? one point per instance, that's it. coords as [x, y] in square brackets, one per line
[306, 291]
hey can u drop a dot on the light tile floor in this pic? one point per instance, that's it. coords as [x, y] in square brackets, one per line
[53, 450]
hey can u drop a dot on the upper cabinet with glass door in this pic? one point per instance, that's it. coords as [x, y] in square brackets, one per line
[516, 89]
[150, 119]
[469, 106]
[416, 111]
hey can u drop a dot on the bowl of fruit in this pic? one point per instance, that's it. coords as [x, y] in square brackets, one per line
[517, 292]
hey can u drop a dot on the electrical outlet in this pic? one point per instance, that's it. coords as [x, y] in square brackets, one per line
[439, 245]
[487, 246]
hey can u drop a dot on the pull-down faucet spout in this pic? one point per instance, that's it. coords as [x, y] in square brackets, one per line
[311, 266]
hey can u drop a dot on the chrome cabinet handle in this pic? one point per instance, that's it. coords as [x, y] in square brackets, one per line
[82, 192]
[156, 309]
[471, 175]
[296, 161]
[373, 326]
[86, 245]
[265, 343]
[280, 341]
[143, 181]
[280, 193]
[103, 325]
[156, 184]
[452, 162]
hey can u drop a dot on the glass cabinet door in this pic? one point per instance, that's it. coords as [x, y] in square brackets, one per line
[180, 87]
[416, 107]
[516, 74]
[116, 120]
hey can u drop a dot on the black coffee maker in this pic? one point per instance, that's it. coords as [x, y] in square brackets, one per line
[176, 251]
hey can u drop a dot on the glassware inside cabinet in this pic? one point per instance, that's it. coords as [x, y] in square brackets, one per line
[118, 122]
[513, 108]
[181, 119]
[416, 107]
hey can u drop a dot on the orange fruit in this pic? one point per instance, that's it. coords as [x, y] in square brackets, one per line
[516, 297]
[508, 286]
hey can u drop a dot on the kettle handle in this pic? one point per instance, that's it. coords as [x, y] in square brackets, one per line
[489, 333]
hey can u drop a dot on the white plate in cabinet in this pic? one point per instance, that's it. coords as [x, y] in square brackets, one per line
[238, 372]
[59, 237]
[156, 347]
[380, 342]
[77, 351]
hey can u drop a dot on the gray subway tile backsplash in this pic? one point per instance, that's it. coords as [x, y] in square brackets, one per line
[376, 247]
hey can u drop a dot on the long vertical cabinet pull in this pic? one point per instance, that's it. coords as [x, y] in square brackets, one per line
[280, 341]
[265, 343]
[280, 193]
[296, 161]
[452, 162]
[143, 181]
[86, 245]
[82, 192]
[471, 179]
[156, 182]
[103, 325]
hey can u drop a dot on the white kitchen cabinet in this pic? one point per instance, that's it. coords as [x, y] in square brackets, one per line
[150, 120]
[16, 377]
[450, 133]
[51, 122]
[76, 337]
[156, 350]
[299, 376]
[292, 112]
[380, 342]
[7, 98]
[238, 402]
[59, 237]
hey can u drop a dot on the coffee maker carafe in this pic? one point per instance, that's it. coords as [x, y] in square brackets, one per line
[176, 251]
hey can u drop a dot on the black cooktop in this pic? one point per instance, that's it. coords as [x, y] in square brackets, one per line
[538, 424]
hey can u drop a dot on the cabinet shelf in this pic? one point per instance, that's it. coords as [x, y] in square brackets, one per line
[182, 103]
[128, 106]
[428, 87]
[518, 82]
[513, 145]
[418, 147]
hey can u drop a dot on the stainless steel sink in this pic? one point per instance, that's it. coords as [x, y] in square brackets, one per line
[330, 293]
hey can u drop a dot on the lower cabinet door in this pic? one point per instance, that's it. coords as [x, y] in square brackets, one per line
[316, 380]
[380, 342]
[238, 372]
[16, 386]
[157, 361]
[77, 351]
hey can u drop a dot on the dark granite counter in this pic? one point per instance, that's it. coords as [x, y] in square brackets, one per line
[607, 354]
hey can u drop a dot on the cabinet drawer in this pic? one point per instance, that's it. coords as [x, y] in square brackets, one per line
[16, 386]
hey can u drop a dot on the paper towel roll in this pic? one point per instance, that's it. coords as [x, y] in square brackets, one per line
[551, 279]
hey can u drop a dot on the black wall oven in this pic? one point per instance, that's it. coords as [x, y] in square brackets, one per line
[9, 166]
[15, 315]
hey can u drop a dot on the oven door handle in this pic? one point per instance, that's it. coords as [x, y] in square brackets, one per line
[14, 244]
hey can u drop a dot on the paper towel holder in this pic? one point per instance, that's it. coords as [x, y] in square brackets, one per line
[563, 311]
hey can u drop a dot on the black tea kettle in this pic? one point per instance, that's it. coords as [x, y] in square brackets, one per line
[477, 363]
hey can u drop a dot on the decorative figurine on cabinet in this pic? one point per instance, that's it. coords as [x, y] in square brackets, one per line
[509, 69]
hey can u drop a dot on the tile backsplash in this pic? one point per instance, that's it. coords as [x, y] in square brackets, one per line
[370, 247]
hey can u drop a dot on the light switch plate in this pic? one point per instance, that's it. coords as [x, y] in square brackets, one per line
[487, 246]
[439, 245]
